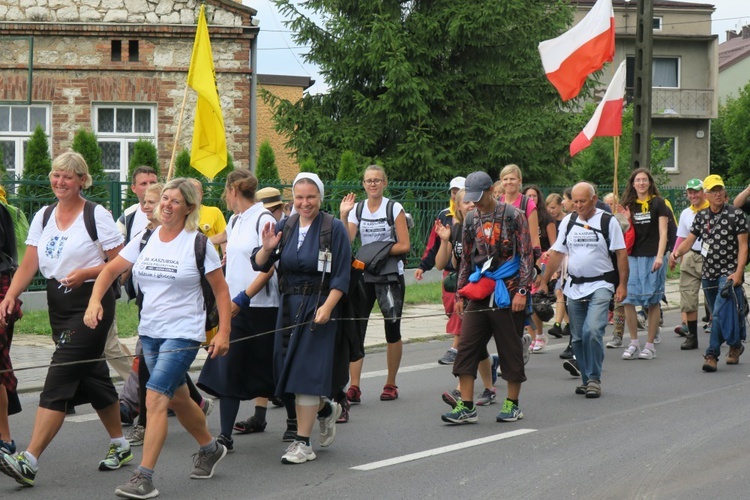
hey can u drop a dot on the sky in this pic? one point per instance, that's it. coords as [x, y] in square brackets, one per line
[279, 55]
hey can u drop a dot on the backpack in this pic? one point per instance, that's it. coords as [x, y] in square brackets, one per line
[89, 220]
[20, 230]
[613, 276]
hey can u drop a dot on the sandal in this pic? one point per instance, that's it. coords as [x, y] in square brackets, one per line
[354, 395]
[593, 389]
[390, 392]
[249, 426]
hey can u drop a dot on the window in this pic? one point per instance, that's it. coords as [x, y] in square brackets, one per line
[17, 123]
[118, 127]
[656, 23]
[670, 165]
[116, 50]
[133, 51]
[665, 72]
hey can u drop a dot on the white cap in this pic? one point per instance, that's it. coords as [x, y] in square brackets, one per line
[457, 182]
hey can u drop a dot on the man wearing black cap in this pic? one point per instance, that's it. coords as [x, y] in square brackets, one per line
[494, 281]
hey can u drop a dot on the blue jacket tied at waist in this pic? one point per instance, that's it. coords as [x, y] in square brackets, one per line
[508, 269]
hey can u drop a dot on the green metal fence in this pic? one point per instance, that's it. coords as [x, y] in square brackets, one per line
[422, 200]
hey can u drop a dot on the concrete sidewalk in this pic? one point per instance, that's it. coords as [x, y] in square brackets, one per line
[422, 322]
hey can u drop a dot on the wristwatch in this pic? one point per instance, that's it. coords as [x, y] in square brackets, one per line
[522, 291]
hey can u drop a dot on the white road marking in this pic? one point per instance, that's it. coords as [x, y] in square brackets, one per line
[442, 450]
[403, 369]
[83, 418]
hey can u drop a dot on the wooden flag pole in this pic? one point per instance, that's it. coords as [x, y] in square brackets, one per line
[615, 188]
[177, 135]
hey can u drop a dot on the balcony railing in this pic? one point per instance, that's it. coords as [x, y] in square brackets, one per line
[680, 103]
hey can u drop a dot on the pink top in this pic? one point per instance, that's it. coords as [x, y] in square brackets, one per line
[530, 206]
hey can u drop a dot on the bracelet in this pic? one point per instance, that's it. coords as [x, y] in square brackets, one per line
[242, 300]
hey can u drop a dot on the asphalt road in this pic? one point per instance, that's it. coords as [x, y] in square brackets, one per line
[662, 429]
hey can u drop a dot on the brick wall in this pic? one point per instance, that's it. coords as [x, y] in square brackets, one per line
[285, 161]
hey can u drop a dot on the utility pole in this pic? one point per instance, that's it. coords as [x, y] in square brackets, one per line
[644, 44]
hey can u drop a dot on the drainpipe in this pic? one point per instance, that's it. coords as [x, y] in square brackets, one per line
[253, 96]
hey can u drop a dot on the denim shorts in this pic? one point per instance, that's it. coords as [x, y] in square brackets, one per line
[168, 361]
[644, 287]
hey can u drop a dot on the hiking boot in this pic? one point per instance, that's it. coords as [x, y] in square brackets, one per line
[461, 415]
[487, 397]
[117, 456]
[449, 357]
[571, 366]
[226, 441]
[556, 331]
[733, 357]
[18, 467]
[138, 487]
[709, 365]
[691, 342]
[452, 398]
[615, 342]
[298, 453]
[136, 435]
[510, 412]
[291, 430]
[354, 395]
[328, 424]
[205, 462]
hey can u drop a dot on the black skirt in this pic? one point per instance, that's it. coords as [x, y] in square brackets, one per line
[246, 372]
[85, 382]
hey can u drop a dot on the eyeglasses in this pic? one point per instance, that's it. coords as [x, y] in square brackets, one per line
[641, 181]
[372, 182]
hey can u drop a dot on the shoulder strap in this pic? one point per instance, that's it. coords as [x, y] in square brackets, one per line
[358, 208]
[129, 224]
[200, 253]
[47, 214]
[90, 220]
[571, 223]
[389, 213]
[606, 218]
[524, 204]
[233, 221]
[144, 239]
[326, 228]
[257, 224]
[289, 224]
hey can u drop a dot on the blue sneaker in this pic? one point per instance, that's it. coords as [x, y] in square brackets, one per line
[461, 414]
[7, 447]
[18, 467]
[510, 412]
[495, 366]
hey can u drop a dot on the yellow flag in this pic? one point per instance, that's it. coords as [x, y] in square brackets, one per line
[209, 153]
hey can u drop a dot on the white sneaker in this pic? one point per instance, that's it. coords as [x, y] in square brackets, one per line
[657, 339]
[631, 352]
[298, 453]
[615, 342]
[526, 347]
[328, 425]
[647, 353]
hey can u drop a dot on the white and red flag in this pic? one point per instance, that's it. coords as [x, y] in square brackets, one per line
[574, 55]
[607, 119]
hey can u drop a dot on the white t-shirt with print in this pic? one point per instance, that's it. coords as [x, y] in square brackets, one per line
[588, 255]
[242, 240]
[167, 274]
[62, 252]
[683, 228]
[374, 225]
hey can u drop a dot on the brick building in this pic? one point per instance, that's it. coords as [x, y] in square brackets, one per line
[119, 68]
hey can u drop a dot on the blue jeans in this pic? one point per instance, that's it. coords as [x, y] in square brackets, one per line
[712, 288]
[588, 321]
[168, 361]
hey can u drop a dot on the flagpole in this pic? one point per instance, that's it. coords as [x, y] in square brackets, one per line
[615, 188]
[177, 135]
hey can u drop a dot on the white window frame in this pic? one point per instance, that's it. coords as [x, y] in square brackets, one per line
[124, 138]
[660, 21]
[675, 147]
[19, 137]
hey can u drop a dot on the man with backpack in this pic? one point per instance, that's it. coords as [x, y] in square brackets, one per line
[597, 268]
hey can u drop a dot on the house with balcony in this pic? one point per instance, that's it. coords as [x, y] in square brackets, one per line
[685, 77]
[734, 63]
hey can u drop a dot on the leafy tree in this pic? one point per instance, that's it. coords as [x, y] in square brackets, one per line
[429, 87]
[84, 142]
[37, 165]
[182, 166]
[719, 146]
[266, 170]
[736, 129]
[308, 165]
[144, 154]
[348, 170]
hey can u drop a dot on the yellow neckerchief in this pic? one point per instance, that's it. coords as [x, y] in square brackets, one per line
[644, 203]
[702, 206]
[2, 195]
[452, 209]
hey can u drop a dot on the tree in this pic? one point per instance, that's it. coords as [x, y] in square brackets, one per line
[266, 169]
[144, 154]
[736, 128]
[719, 147]
[348, 170]
[84, 143]
[182, 166]
[308, 165]
[37, 165]
[427, 88]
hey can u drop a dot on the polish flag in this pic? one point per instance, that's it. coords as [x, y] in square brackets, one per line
[607, 119]
[574, 55]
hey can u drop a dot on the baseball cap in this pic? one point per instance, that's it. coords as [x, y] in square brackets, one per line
[457, 182]
[476, 184]
[712, 181]
[270, 197]
[694, 184]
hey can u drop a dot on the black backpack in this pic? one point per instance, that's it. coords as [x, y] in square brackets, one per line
[611, 276]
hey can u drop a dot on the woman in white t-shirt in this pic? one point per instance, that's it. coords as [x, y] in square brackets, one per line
[63, 250]
[374, 227]
[247, 371]
[172, 326]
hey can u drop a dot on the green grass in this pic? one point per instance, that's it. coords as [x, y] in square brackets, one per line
[37, 322]
[424, 293]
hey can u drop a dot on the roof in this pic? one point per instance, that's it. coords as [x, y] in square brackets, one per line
[669, 4]
[733, 51]
[286, 81]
